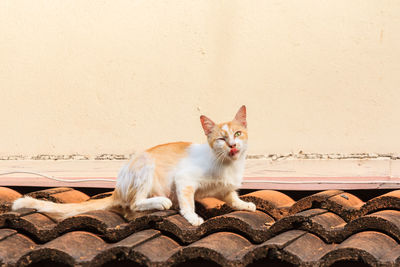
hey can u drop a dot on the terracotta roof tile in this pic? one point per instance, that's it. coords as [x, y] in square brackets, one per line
[316, 248]
[80, 245]
[272, 202]
[327, 225]
[234, 248]
[252, 225]
[313, 201]
[4, 233]
[282, 240]
[7, 196]
[346, 205]
[60, 195]
[121, 250]
[385, 221]
[211, 207]
[318, 230]
[369, 246]
[155, 251]
[13, 246]
[392, 257]
[389, 200]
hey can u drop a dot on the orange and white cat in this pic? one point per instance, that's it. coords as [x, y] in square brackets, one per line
[173, 175]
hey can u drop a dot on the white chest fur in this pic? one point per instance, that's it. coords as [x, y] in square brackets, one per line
[206, 175]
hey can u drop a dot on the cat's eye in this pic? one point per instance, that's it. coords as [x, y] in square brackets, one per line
[221, 138]
[238, 133]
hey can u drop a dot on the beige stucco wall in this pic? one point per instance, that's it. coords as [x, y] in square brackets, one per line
[93, 77]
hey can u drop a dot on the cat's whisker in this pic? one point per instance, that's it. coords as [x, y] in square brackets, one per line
[220, 159]
[216, 164]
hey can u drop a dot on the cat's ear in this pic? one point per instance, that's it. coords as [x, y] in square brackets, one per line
[207, 124]
[241, 116]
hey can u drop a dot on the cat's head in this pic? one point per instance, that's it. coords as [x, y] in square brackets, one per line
[228, 140]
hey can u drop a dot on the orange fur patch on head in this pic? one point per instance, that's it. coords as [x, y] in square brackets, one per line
[233, 126]
[236, 126]
[214, 135]
[227, 129]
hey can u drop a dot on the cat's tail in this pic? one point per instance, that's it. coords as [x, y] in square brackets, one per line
[61, 211]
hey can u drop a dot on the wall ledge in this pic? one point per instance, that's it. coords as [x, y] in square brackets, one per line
[283, 173]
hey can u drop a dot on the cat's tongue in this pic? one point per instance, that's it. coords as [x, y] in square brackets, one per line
[233, 151]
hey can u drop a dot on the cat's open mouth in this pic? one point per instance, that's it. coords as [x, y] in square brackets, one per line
[233, 152]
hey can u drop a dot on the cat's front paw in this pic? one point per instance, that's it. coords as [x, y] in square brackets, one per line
[243, 205]
[193, 219]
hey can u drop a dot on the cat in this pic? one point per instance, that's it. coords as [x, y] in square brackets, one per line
[172, 175]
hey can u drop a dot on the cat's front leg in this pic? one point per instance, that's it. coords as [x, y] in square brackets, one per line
[185, 196]
[233, 200]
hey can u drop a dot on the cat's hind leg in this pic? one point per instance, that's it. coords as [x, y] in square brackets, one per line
[157, 203]
[135, 183]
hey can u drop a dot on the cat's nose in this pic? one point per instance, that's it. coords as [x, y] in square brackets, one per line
[232, 145]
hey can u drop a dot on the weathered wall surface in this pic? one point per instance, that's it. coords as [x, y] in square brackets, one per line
[93, 77]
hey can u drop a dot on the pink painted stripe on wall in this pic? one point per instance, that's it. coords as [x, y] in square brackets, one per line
[276, 183]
